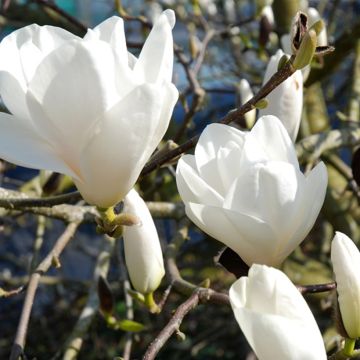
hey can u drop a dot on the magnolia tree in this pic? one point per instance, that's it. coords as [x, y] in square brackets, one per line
[266, 188]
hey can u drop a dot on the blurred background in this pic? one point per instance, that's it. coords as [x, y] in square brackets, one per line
[218, 43]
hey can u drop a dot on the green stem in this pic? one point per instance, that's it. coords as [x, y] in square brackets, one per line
[150, 303]
[349, 347]
[108, 215]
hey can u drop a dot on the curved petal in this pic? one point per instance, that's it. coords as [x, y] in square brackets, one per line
[273, 138]
[286, 101]
[155, 63]
[13, 96]
[227, 166]
[213, 139]
[246, 94]
[169, 95]
[191, 187]
[281, 192]
[20, 145]
[278, 327]
[345, 258]
[79, 74]
[20, 54]
[114, 157]
[111, 31]
[312, 198]
[252, 239]
[273, 192]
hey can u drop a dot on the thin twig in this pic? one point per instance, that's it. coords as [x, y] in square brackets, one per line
[75, 340]
[20, 338]
[235, 115]
[18, 201]
[71, 19]
[314, 289]
[200, 295]
[25, 201]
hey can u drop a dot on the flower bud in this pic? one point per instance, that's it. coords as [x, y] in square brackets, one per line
[142, 248]
[306, 51]
[345, 258]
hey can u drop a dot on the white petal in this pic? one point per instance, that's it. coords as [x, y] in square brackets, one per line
[13, 95]
[313, 17]
[312, 198]
[115, 156]
[246, 94]
[21, 145]
[191, 187]
[278, 327]
[169, 95]
[155, 63]
[20, 54]
[345, 258]
[286, 101]
[281, 189]
[111, 31]
[252, 239]
[73, 86]
[212, 139]
[273, 138]
[228, 165]
[142, 248]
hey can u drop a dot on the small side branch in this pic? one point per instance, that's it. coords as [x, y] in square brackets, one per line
[63, 240]
[199, 296]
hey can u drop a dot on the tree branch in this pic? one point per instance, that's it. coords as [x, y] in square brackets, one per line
[43, 267]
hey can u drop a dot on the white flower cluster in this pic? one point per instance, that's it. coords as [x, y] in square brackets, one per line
[88, 108]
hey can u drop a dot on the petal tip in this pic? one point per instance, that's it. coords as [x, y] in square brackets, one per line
[170, 15]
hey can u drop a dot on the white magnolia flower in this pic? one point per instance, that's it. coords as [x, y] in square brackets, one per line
[143, 255]
[345, 258]
[246, 94]
[86, 107]
[246, 190]
[286, 101]
[274, 317]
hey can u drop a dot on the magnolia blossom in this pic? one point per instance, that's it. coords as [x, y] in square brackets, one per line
[274, 317]
[345, 258]
[286, 101]
[246, 190]
[86, 107]
[143, 254]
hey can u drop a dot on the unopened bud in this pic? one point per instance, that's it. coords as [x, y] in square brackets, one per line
[283, 61]
[261, 104]
[306, 50]
[180, 335]
[127, 219]
[55, 261]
